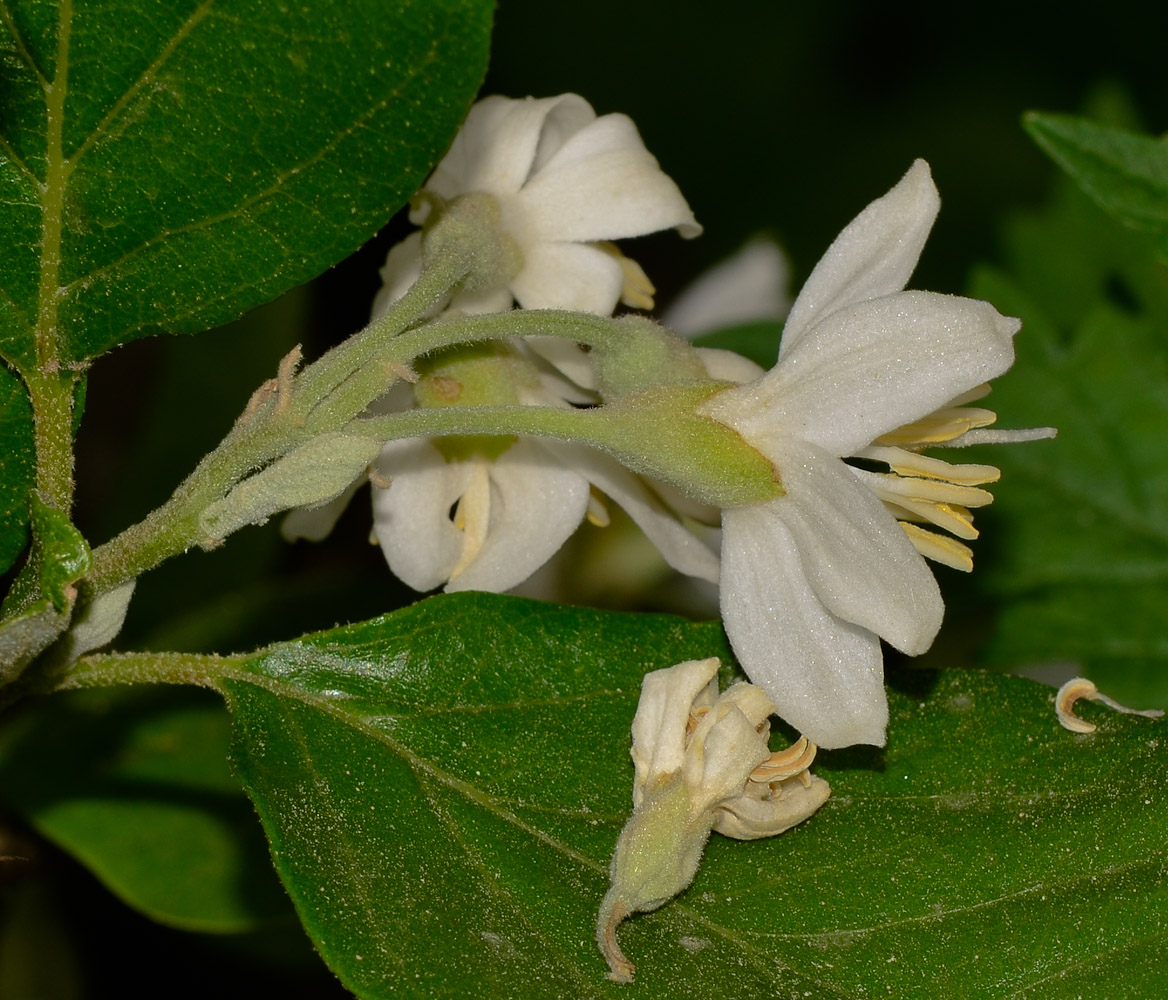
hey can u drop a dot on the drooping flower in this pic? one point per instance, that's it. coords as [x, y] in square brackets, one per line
[702, 762]
[567, 183]
[484, 514]
[813, 580]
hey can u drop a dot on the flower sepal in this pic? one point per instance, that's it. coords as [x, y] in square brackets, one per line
[468, 229]
[660, 433]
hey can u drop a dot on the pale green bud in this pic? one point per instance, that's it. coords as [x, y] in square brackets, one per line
[310, 476]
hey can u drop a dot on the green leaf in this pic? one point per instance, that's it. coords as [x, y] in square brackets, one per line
[135, 785]
[1124, 172]
[17, 467]
[166, 166]
[443, 788]
[1080, 524]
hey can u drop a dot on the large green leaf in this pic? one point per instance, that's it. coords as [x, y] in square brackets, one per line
[443, 787]
[1125, 172]
[136, 786]
[165, 166]
[1080, 524]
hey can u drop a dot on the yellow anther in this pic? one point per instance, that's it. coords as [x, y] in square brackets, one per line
[786, 763]
[472, 517]
[939, 548]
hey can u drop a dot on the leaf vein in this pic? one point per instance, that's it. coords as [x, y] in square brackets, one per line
[138, 85]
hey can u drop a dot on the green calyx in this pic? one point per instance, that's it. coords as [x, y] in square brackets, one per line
[486, 374]
[641, 354]
[658, 433]
[467, 228]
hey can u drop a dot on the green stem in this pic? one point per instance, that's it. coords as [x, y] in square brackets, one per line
[277, 420]
[50, 389]
[656, 433]
[112, 669]
[373, 348]
[51, 393]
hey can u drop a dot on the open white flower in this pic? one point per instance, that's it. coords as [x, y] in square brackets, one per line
[566, 182]
[813, 580]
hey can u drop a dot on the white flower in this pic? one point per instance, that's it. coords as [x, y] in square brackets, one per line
[488, 520]
[812, 581]
[566, 182]
[702, 762]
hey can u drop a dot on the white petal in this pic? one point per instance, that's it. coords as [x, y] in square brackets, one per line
[875, 254]
[568, 276]
[569, 360]
[402, 267]
[856, 557]
[496, 148]
[412, 517]
[316, 523]
[570, 115]
[727, 366]
[725, 748]
[870, 368]
[602, 184]
[747, 287]
[667, 697]
[824, 675]
[536, 504]
[680, 547]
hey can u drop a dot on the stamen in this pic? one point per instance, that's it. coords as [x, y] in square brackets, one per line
[1080, 687]
[638, 290]
[786, 763]
[597, 513]
[910, 463]
[939, 548]
[472, 517]
[942, 425]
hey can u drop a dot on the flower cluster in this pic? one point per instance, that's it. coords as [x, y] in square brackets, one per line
[823, 557]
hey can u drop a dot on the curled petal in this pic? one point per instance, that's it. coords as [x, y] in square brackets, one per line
[874, 256]
[725, 748]
[498, 144]
[659, 727]
[825, 675]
